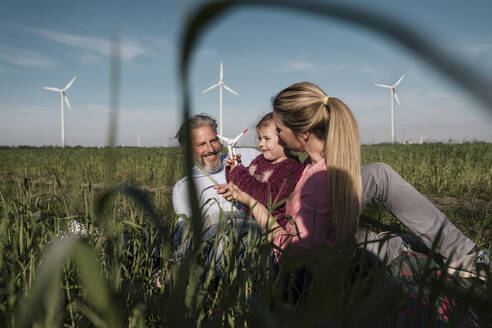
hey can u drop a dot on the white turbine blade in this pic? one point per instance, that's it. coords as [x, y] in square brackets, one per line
[221, 72]
[399, 80]
[239, 136]
[224, 139]
[52, 89]
[66, 102]
[69, 83]
[396, 98]
[210, 88]
[230, 90]
[382, 86]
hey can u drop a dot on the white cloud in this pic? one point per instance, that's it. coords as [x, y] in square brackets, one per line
[130, 49]
[90, 58]
[472, 50]
[162, 44]
[25, 58]
[303, 65]
[293, 66]
[206, 52]
[39, 125]
[27, 110]
[345, 67]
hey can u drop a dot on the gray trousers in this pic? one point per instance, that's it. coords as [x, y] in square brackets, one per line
[381, 184]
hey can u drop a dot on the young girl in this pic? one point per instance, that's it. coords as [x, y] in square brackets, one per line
[272, 176]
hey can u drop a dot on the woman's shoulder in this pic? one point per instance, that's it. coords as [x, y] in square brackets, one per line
[316, 178]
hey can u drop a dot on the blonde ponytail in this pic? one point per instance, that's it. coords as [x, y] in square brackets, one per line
[305, 107]
[342, 154]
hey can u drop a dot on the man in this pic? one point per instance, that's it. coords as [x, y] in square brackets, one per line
[208, 171]
[380, 184]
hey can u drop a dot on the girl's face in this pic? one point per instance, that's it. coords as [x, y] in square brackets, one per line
[286, 135]
[268, 143]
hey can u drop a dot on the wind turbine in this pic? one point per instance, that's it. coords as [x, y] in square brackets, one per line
[220, 84]
[231, 143]
[63, 98]
[139, 141]
[393, 96]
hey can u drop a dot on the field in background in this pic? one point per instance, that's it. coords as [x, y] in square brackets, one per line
[456, 177]
[43, 189]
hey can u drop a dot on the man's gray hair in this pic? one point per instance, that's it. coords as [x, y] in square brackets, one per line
[194, 122]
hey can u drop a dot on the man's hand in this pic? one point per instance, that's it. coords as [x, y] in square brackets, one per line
[232, 192]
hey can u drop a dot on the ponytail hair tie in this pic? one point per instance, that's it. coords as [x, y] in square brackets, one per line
[325, 100]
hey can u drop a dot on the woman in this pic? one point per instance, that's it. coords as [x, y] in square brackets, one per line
[325, 204]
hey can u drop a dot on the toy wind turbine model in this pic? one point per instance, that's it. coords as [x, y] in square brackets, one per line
[231, 144]
[395, 97]
[220, 84]
[63, 98]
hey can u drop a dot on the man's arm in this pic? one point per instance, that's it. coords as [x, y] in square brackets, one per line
[180, 198]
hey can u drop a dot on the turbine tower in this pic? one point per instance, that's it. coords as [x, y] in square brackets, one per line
[220, 84]
[395, 97]
[63, 98]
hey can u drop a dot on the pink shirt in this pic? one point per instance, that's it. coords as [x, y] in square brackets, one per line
[310, 206]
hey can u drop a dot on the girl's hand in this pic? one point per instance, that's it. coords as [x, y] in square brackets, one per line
[238, 159]
[230, 161]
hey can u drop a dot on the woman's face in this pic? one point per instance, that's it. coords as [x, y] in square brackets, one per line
[287, 135]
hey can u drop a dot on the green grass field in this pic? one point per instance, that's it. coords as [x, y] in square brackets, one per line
[108, 280]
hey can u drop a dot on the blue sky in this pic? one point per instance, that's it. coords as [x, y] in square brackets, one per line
[45, 43]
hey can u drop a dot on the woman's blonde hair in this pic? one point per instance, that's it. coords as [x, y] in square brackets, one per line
[304, 107]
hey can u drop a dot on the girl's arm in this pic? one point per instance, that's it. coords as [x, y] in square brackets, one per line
[278, 187]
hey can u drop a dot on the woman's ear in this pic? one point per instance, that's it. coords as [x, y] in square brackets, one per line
[305, 136]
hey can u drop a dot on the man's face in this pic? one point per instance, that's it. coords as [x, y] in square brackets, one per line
[206, 148]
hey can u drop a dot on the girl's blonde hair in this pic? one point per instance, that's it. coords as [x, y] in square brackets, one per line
[304, 107]
[265, 121]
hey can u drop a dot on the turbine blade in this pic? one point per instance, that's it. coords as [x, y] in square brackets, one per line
[224, 139]
[230, 90]
[210, 88]
[69, 83]
[399, 80]
[396, 98]
[382, 86]
[239, 136]
[221, 72]
[66, 102]
[52, 89]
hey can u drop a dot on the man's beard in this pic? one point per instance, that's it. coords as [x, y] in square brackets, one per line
[212, 167]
